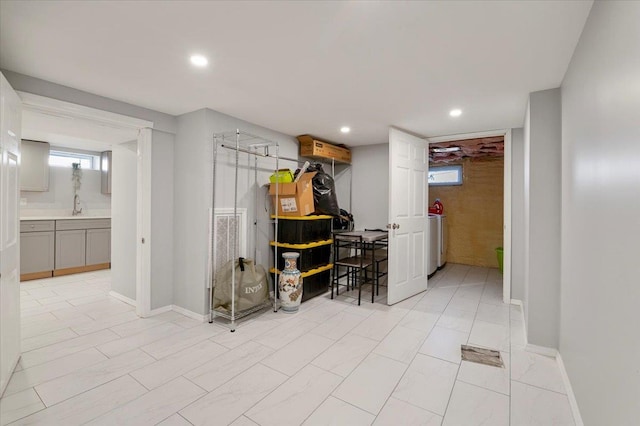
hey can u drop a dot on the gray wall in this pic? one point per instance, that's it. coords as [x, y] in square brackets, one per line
[36, 86]
[370, 167]
[192, 193]
[517, 214]
[600, 335]
[124, 219]
[60, 193]
[542, 151]
[161, 239]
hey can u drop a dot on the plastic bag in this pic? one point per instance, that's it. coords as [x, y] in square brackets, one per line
[252, 285]
[324, 191]
[344, 222]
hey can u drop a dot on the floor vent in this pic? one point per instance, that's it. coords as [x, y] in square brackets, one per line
[482, 356]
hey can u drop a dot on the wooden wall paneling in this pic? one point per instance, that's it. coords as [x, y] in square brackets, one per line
[474, 211]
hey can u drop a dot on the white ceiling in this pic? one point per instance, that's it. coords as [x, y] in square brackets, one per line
[70, 132]
[305, 67]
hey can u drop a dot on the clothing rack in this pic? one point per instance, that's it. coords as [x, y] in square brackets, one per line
[257, 147]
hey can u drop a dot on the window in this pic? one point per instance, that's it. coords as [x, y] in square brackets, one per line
[67, 158]
[445, 175]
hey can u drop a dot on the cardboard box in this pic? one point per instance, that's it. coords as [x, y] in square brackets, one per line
[296, 198]
[313, 148]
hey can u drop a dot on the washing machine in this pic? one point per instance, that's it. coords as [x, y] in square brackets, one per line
[444, 236]
[434, 250]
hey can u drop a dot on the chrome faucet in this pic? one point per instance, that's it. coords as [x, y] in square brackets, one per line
[76, 204]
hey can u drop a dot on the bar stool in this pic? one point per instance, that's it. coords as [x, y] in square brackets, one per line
[380, 254]
[353, 267]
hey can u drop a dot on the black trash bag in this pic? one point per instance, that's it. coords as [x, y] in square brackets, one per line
[324, 191]
[344, 222]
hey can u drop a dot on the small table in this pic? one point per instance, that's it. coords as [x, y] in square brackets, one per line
[360, 242]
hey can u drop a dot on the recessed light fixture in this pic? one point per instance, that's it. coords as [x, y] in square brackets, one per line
[199, 61]
[345, 129]
[449, 149]
[455, 112]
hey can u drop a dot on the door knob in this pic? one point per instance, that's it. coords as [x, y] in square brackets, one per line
[396, 226]
[388, 226]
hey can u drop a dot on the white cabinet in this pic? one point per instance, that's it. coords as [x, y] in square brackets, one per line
[37, 249]
[34, 166]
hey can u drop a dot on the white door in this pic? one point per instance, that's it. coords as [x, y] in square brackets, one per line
[408, 230]
[10, 126]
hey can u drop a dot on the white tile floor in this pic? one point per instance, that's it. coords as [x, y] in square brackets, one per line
[89, 360]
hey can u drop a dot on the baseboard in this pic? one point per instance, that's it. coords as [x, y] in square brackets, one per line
[541, 350]
[188, 313]
[122, 298]
[3, 385]
[516, 302]
[577, 418]
[159, 311]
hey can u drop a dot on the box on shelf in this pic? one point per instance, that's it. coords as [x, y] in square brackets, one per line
[314, 282]
[312, 255]
[303, 229]
[295, 198]
[313, 148]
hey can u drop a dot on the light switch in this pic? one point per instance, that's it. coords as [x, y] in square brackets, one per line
[23, 201]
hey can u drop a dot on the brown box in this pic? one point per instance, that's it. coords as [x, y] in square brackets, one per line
[295, 198]
[313, 148]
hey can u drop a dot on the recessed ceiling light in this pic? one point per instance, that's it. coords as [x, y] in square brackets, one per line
[345, 129]
[199, 60]
[455, 112]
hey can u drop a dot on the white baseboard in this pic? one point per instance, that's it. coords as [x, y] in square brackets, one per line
[516, 302]
[188, 313]
[577, 418]
[541, 350]
[14, 364]
[160, 310]
[122, 298]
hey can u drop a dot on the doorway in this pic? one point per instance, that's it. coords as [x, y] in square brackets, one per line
[506, 189]
[129, 138]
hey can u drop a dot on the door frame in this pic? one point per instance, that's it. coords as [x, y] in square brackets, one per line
[506, 224]
[50, 106]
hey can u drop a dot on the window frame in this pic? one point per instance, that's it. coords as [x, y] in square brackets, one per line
[93, 157]
[451, 167]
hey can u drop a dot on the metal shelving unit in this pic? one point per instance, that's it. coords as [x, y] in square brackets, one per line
[256, 147]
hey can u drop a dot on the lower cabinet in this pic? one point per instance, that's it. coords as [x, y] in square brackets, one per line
[37, 249]
[98, 246]
[36, 252]
[63, 247]
[70, 248]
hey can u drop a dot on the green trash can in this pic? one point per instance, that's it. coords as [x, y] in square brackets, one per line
[500, 254]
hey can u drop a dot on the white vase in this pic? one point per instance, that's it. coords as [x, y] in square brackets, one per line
[290, 284]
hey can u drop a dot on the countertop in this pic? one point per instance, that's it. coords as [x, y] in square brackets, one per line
[26, 218]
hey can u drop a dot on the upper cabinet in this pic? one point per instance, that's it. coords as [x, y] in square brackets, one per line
[34, 167]
[105, 172]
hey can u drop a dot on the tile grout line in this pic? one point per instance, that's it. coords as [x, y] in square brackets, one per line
[414, 357]
[309, 363]
[539, 387]
[460, 365]
[30, 414]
